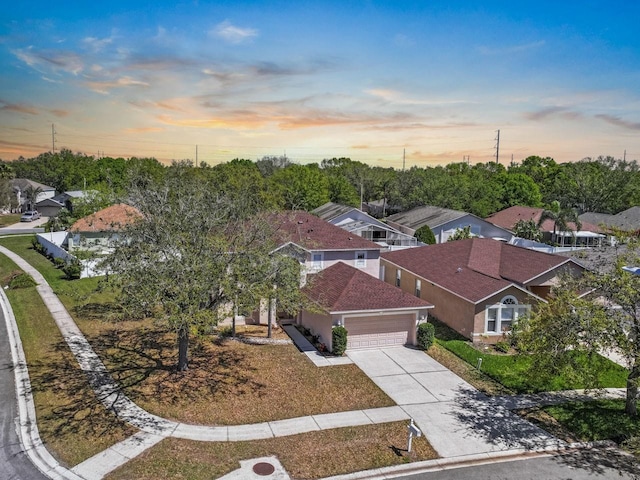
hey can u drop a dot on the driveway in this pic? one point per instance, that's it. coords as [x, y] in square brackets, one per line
[456, 418]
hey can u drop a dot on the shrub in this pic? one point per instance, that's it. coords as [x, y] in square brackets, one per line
[425, 235]
[72, 269]
[426, 333]
[502, 346]
[21, 280]
[37, 246]
[59, 262]
[339, 340]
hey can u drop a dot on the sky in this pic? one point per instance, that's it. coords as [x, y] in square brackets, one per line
[382, 82]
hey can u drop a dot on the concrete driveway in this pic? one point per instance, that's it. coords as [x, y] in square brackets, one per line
[456, 418]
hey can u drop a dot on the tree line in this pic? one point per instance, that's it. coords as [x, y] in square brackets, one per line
[603, 184]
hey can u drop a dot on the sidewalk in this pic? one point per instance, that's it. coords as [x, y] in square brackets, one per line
[153, 428]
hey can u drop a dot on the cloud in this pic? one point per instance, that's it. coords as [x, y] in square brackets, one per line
[105, 87]
[232, 34]
[544, 113]
[619, 122]
[60, 113]
[401, 40]
[96, 44]
[484, 50]
[144, 130]
[17, 107]
[68, 62]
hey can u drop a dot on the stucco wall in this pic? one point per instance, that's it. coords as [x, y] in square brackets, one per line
[480, 313]
[319, 324]
[349, 257]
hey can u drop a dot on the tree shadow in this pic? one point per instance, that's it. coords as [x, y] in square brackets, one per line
[599, 460]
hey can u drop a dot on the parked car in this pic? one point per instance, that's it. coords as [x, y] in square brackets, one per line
[30, 216]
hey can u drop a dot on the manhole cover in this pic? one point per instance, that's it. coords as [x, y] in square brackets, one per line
[263, 468]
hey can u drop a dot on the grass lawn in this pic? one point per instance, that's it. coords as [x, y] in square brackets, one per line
[9, 219]
[511, 371]
[309, 455]
[68, 412]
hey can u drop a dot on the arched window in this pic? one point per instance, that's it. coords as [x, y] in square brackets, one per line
[500, 317]
[509, 300]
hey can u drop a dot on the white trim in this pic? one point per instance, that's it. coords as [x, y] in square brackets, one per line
[498, 307]
[317, 265]
[386, 311]
[360, 262]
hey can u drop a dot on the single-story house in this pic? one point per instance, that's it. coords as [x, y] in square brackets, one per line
[364, 225]
[478, 286]
[589, 235]
[97, 231]
[50, 207]
[628, 220]
[20, 188]
[374, 313]
[444, 222]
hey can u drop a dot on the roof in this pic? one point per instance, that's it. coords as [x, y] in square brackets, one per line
[313, 233]
[427, 215]
[331, 210]
[343, 288]
[110, 219]
[475, 268]
[24, 183]
[508, 218]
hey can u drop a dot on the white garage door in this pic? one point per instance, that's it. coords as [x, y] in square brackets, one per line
[377, 332]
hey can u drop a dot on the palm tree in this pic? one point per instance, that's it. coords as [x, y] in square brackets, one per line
[561, 218]
[31, 196]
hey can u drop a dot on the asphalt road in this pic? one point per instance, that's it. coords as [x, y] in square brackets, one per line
[14, 463]
[578, 465]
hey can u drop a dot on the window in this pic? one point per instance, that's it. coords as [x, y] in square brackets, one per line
[418, 287]
[398, 277]
[317, 261]
[500, 317]
[361, 259]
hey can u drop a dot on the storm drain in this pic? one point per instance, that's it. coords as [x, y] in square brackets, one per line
[263, 469]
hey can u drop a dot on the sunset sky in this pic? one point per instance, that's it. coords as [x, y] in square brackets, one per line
[314, 80]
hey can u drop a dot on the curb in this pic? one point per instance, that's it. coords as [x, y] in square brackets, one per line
[26, 425]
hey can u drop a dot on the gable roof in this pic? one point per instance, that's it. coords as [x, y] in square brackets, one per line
[427, 215]
[24, 183]
[508, 218]
[110, 219]
[331, 210]
[313, 233]
[475, 268]
[343, 288]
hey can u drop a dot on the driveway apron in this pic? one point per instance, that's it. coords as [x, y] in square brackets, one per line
[456, 418]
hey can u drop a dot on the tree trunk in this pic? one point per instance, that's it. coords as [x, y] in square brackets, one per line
[183, 347]
[631, 404]
[269, 315]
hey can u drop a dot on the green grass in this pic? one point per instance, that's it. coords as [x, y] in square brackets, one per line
[597, 420]
[9, 219]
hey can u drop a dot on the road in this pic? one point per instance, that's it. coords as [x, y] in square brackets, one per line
[578, 465]
[14, 463]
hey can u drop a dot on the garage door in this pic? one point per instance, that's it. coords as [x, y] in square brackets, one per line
[377, 332]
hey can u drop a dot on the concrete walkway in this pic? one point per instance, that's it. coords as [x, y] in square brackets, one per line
[457, 420]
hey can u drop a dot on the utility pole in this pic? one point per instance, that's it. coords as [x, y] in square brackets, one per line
[197, 156]
[498, 147]
[404, 151]
[53, 138]
[624, 158]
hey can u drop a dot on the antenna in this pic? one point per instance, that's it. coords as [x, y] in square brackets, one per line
[498, 147]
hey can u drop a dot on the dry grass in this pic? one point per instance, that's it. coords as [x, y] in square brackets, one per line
[228, 382]
[73, 424]
[466, 371]
[542, 419]
[304, 456]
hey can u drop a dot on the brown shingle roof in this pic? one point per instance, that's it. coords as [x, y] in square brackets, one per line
[110, 219]
[508, 218]
[475, 268]
[313, 233]
[343, 288]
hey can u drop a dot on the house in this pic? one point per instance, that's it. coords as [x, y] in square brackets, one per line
[589, 235]
[50, 207]
[444, 223]
[478, 286]
[318, 244]
[374, 313]
[365, 226]
[97, 231]
[627, 220]
[21, 188]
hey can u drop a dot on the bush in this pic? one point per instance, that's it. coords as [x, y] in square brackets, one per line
[59, 262]
[425, 235]
[37, 246]
[339, 340]
[72, 269]
[21, 280]
[502, 346]
[426, 334]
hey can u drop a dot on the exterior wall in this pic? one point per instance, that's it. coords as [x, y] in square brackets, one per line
[319, 324]
[541, 285]
[479, 227]
[349, 257]
[480, 336]
[401, 228]
[94, 241]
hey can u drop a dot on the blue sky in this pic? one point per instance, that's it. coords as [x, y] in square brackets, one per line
[366, 80]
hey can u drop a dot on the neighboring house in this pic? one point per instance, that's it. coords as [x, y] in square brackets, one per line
[627, 220]
[374, 313]
[356, 221]
[444, 223]
[478, 286]
[589, 235]
[380, 208]
[50, 207]
[21, 186]
[97, 231]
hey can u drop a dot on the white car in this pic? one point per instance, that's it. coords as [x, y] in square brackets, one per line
[30, 216]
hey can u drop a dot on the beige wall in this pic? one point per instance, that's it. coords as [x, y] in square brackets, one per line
[480, 313]
[319, 324]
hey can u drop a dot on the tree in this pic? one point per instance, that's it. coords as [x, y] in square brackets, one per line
[460, 234]
[561, 218]
[568, 334]
[527, 229]
[302, 187]
[176, 263]
[425, 235]
[31, 196]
